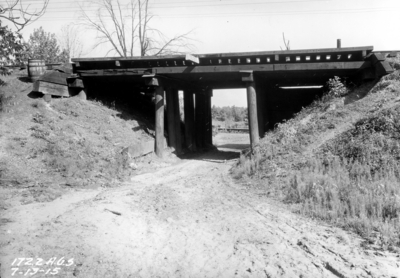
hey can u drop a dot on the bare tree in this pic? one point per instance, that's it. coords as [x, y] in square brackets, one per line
[128, 30]
[21, 14]
[153, 40]
[70, 41]
[287, 44]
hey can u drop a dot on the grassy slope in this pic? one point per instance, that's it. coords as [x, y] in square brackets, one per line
[70, 142]
[339, 160]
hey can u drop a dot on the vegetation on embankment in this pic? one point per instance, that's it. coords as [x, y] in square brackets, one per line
[339, 159]
[67, 141]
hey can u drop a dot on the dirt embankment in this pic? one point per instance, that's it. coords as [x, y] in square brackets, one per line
[67, 141]
[186, 220]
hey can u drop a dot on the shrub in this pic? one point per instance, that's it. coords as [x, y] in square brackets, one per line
[336, 87]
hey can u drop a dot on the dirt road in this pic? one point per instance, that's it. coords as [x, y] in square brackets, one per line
[186, 220]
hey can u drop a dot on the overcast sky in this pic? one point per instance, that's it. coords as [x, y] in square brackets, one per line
[255, 25]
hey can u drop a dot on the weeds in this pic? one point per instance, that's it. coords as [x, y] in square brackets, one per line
[351, 179]
[388, 83]
[38, 118]
[346, 193]
[249, 166]
[395, 62]
[40, 133]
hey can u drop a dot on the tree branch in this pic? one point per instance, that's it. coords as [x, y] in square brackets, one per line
[287, 46]
[123, 26]
[24, 15]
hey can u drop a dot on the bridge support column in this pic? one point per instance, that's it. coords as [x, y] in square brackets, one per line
[247, 76]
[177, 118]
[269, 90]
[252, 108]
[159, 110]
[159, 148]
[208, 117]
[200, 119]
[189, 120]
[260, 92]
[170, 118]
[174, 119]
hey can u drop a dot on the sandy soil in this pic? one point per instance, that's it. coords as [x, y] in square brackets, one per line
[186, 220]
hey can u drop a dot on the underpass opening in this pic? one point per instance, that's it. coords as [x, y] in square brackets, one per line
[229, 109]
[230, 120]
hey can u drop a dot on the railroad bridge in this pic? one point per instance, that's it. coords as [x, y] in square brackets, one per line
[266, 76]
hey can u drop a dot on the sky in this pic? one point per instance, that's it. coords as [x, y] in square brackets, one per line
[220, 26]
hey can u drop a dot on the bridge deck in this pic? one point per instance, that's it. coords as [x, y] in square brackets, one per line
[222, 70]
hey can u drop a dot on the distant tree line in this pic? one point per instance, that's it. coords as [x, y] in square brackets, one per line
[229, 113]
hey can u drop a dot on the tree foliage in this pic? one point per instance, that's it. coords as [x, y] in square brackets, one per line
[11, 46]
[20, 14]
[231, 113]
[127, 29]
[43, 45]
